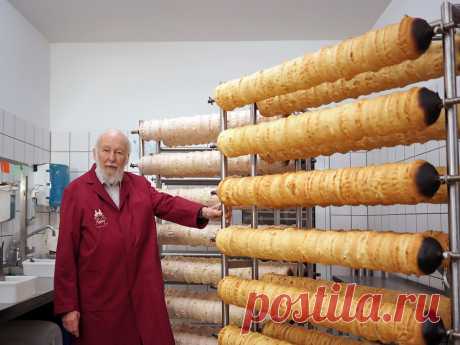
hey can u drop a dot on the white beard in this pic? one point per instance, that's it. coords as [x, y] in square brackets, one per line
[114, 179]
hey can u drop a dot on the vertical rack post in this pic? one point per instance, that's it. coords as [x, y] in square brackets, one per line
[298, 222]
[158, 150]
[450, 92]
[310, 223]
[223, 175]
[254, 213]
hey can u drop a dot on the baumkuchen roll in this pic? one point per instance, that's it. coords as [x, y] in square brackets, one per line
[390, 45]
[410, 253]
[199, 306]
[428, 66]
[389, 296]
[199, 270]
[202, 195]
[185, 338]
[405, 331]
[203, 164]
[231, 335]
[336, 129]
[192, 130]
[386, 184]
[175, 234]
[304, 336]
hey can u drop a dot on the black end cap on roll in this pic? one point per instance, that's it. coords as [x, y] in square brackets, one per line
[433, 333]
[422, 33]
[431, 103]
[427, 180]
[429, 256]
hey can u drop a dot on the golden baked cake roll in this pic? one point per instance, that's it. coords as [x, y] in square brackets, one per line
[204, 164]
[192, 130]
[427, 66]
[386, 184]
[388, 295]
[405, 331]
[409, 253]
[185, 338]
[175, 234]
[198, 270]
[199, 306]
[202, 195]
[337, 129]
[304, 336]
[231, 335]
[387, 46]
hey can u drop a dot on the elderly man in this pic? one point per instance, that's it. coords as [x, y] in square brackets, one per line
[108, 282]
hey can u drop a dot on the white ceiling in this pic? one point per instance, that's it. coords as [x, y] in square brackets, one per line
[199, 20]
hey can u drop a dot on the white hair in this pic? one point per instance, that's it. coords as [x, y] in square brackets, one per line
[115, 132]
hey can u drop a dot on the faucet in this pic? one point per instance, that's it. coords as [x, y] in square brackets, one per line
[40, 229]
[30, 250]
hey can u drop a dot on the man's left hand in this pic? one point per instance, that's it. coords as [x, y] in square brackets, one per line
[216, 212]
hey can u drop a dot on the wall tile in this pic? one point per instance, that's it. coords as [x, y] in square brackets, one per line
[60, 158]
[409, 151]
[2, 119]
[341, 210]
[60, 141]
[359, 222]
[434, 222]
[339, 160]
[422, 222]
[30, 134]
[29, 154]
[46, 139]
[78, 161]
[9, 124]
[359, 210]
[20, 129]
[341, 222]
[8, 147]
[411, 223]
[74, 175]
[46, 157]
[37, 137]
[79, 141]
[358, 159]
[399, 153]
[19, 151]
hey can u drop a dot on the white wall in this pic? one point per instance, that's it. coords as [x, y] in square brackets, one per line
[427, 9]
[24, 105]
[24, 68]
[101, 85]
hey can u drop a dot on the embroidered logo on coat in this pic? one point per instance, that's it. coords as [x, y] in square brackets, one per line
[99, 218]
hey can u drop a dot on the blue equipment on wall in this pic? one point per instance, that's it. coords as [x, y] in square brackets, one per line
[59, 179]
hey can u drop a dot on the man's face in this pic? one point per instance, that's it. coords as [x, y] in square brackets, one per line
[111, 154]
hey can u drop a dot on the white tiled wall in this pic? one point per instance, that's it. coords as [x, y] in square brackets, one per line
[75, 150]
[23, 144]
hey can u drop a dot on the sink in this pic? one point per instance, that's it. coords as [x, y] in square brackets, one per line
[17, 288]
[39, 267]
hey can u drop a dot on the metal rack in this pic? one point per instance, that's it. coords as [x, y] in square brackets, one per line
[445, 30]
[450, 18]
[308, 270]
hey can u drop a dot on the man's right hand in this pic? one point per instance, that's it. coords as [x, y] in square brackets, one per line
[70, 322]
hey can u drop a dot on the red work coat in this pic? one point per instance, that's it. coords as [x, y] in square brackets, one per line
[107, 263]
